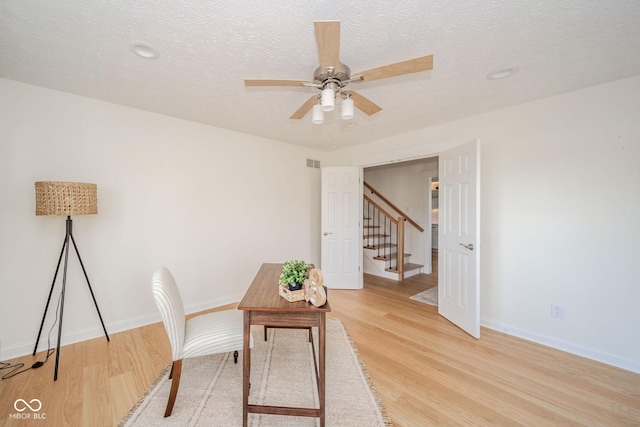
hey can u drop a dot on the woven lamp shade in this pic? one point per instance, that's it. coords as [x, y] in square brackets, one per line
[66, 198]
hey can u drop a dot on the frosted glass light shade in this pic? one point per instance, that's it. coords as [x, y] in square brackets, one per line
[317, 117]
[347, 109]
[328, 99]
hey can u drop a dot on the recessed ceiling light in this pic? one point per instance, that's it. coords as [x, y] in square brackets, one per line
[143, 50]
[501, 73]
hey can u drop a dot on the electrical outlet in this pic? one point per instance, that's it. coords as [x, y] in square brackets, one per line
[557, 311]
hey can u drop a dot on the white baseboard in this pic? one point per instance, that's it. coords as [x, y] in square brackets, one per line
[26, 348]
[589, 353]
[218, 302]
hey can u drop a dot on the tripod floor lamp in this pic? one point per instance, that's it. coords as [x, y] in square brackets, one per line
[66, 198]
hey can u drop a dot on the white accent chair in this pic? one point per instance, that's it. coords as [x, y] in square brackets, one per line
[211, 333]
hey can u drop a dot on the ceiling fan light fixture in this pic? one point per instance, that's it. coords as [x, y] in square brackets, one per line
[331, 78]
[328, 99]
[317, 115]
[347, 109]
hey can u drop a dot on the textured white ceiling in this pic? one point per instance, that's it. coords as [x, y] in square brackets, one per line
[206, 48]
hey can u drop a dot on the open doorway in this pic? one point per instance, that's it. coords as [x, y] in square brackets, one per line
[408, 185]
[459, 246]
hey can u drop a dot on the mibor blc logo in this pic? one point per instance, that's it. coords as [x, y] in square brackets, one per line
[28, 410]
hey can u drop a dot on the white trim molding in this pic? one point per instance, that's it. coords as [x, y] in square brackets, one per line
[26, 348]
[413, 153]
[609, 359]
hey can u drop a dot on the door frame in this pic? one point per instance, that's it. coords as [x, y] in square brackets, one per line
[405, 155]
[428, 206]
[415, 153]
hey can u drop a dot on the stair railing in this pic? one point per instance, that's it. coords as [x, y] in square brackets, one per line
[382, 226]
[396, 233]
[394, 207]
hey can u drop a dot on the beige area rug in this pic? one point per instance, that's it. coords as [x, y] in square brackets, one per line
[282, 373]
[430, 296]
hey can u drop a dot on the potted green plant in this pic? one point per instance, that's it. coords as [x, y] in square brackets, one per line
[294, 272]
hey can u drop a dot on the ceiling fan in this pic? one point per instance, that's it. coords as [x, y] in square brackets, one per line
[332, 77]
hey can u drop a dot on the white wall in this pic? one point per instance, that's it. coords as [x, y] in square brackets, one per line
[560, 209]
[560, 216]
[209, 204]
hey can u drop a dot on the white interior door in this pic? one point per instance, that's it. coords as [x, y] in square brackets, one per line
[341, 227]
[459, 237]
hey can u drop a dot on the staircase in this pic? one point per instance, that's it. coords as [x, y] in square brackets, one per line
[384, 253]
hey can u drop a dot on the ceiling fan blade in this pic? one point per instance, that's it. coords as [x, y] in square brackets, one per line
[424, 63]
[306, 107]
[328, 40]
[265, 82]
[364, 104]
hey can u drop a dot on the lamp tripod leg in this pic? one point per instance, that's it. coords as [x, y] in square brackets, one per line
[65, 251]
[64, 285]
[46, 308]
[90, 289]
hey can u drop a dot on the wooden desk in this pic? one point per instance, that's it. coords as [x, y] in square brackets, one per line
[262, 305]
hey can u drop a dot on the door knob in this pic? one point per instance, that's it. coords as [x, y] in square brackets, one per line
[469, 246]
[326, 234]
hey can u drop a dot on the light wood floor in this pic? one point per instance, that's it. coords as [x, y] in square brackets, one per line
[426, 371]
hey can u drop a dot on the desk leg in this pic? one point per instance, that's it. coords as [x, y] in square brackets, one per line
[246, 367]
[321, 351]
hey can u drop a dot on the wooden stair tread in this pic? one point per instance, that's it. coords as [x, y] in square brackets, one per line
[374, 236]
[389, 256]
[411, 266]
[385, 245]
[407, 267]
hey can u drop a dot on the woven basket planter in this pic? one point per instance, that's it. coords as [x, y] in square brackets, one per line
[292, 296]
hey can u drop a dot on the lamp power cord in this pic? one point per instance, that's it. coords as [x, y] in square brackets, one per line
[17, 368]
